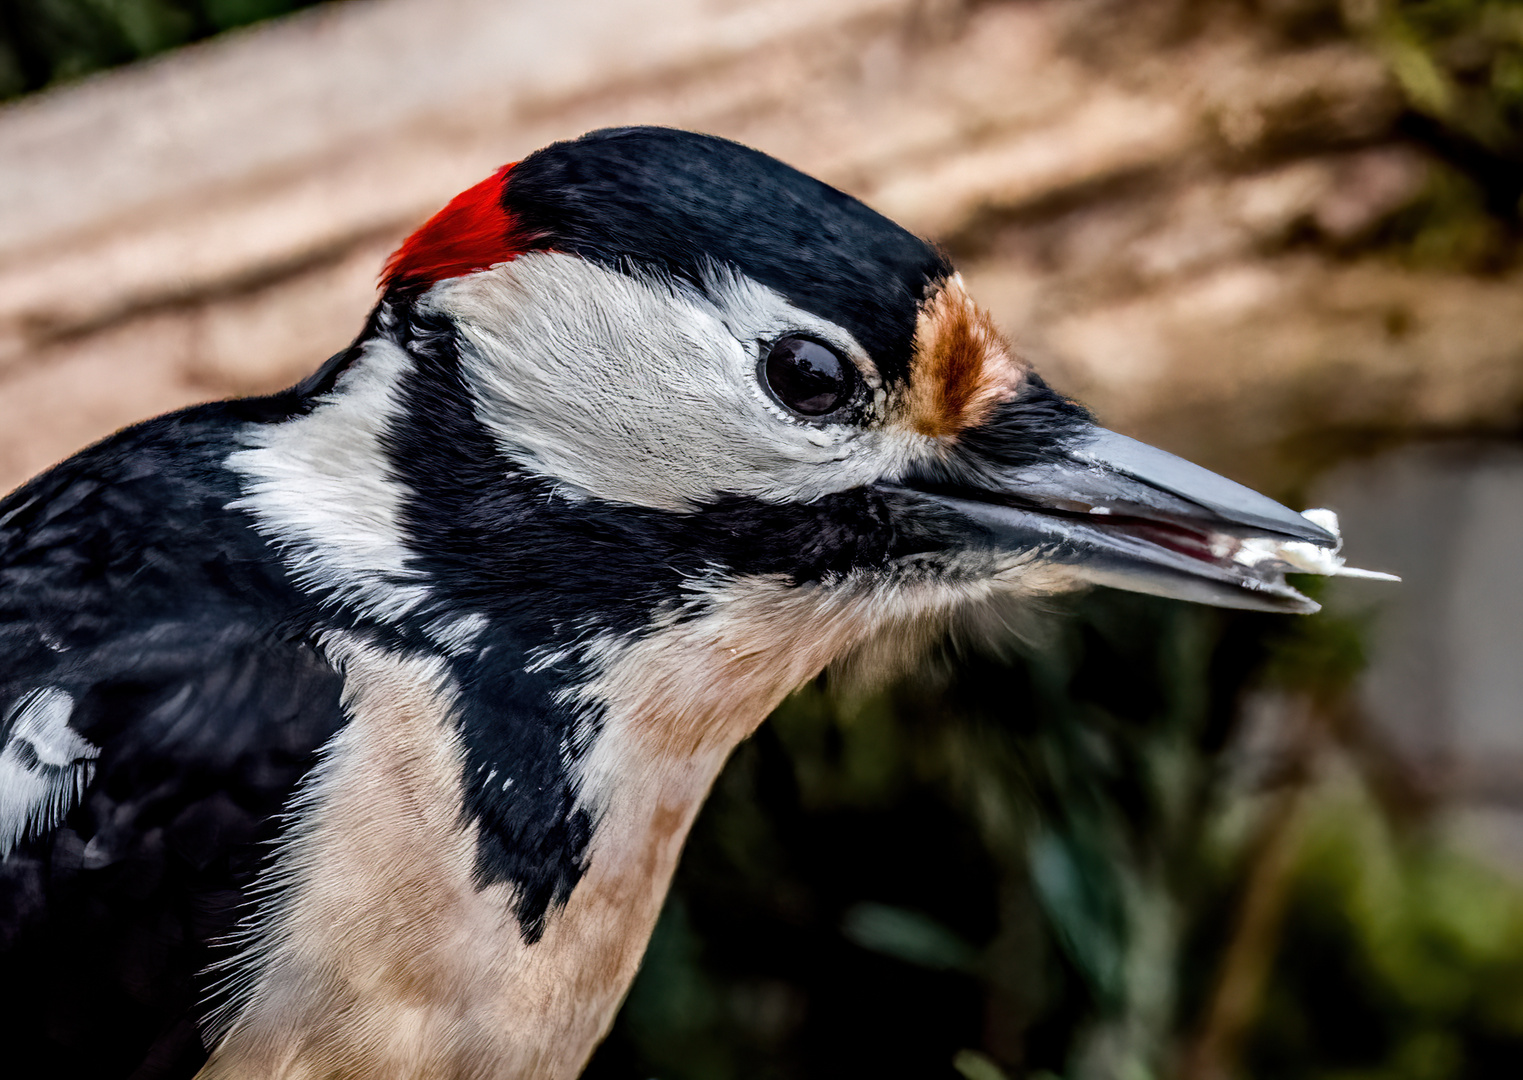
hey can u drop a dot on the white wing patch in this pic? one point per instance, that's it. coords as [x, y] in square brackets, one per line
[45, 765]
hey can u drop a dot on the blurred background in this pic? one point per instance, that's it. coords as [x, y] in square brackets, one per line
[1280, 237]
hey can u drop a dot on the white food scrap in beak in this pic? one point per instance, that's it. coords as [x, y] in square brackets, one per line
[1301, 557]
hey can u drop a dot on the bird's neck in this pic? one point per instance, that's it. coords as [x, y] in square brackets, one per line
[388, 952]
[473, 872]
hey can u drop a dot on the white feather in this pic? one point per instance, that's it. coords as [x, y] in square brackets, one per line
[321, 488]
[45, 765]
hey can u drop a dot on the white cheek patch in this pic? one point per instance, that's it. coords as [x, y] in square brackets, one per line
[319, 487]
[645, 392]
[45, 766]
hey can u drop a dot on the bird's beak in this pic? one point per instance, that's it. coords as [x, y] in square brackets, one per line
[1114, 511]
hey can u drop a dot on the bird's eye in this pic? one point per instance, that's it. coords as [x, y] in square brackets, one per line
[808, 377]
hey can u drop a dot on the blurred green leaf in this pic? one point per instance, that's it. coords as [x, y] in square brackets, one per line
[910, 936]
[1082, 904]
[972, 1065]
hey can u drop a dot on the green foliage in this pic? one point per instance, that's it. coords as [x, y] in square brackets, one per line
[1402, 958]
[1450, 226]
[1461, 61]
[1460, 65]
[972, 1065]
[43, 42]
[909, 936]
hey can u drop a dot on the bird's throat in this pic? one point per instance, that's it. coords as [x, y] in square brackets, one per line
[383, 951]
[380, 953]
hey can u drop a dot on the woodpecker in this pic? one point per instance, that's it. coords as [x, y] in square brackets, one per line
[355, 731]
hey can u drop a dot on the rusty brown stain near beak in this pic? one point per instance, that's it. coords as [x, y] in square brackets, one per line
[961, 368]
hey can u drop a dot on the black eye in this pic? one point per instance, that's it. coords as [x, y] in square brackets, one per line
[808, 377]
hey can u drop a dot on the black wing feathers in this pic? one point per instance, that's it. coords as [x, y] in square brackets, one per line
[126, 582]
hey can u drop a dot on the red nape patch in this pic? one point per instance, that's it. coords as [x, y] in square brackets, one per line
[472, 233]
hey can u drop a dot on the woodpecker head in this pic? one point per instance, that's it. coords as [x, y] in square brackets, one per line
[650, 425]
[675, 327]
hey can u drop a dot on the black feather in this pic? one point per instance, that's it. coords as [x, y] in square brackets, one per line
[125, 581]
[677, 202]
